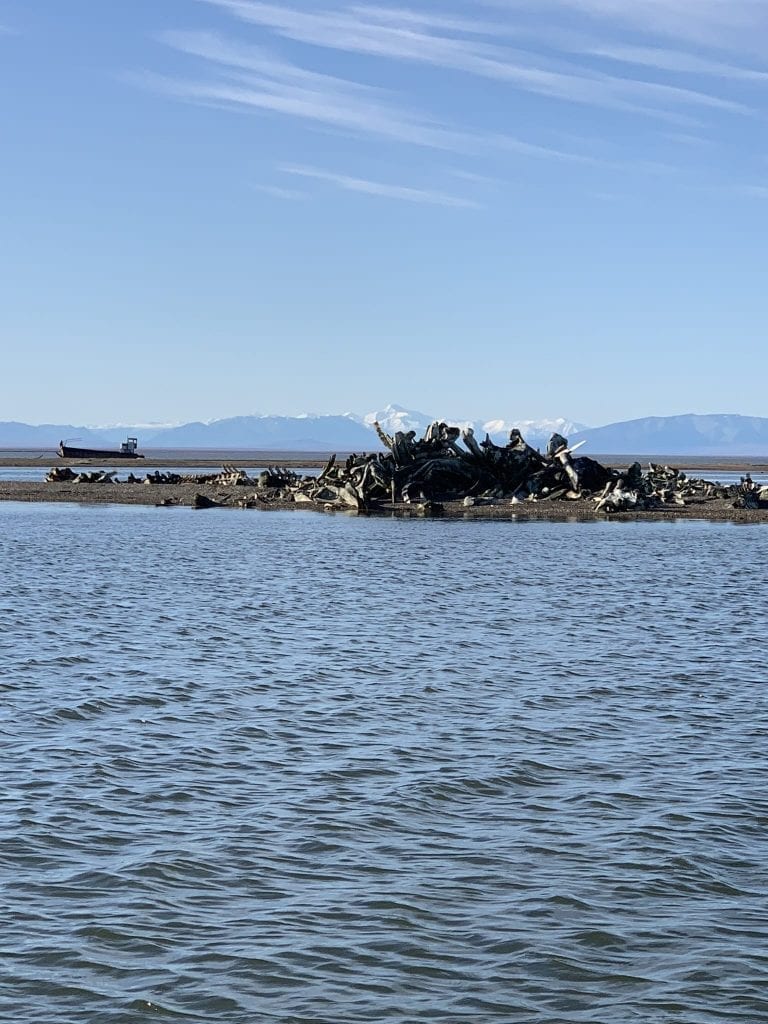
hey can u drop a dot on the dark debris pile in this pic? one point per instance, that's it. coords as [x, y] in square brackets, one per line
[448, 464]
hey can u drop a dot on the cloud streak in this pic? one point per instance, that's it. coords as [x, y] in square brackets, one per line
[290, 194]
[259, 80]
[356, 30]
[380, 189]
[677, 61]
[482, 74]
[719, 23]
[251, 77]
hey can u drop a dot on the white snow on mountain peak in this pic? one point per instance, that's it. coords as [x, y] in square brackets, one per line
[393, 418]
[535, 428]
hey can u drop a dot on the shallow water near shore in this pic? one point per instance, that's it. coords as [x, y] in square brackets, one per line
[39, 473]
[299, 768]
[33, 473]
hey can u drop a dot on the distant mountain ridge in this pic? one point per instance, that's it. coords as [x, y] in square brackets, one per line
[47, 435]
[296, 433]
[688, 434]
[310, 433]
[288, 433]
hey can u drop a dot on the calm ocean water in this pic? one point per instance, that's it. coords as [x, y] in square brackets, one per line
[302, 768]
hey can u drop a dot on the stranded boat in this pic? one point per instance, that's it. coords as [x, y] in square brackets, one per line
[127, 451]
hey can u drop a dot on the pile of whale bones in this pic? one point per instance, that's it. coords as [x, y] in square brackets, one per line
[422, 473]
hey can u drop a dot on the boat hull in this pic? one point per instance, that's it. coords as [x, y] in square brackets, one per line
[68, 452]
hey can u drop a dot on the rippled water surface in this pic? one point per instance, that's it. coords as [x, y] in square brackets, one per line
[300, 768]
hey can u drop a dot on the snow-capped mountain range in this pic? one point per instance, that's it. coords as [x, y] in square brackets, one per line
[393, 418]
[689, 434]
[346, 432]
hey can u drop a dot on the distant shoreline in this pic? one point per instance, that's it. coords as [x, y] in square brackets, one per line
[250, 459]
[21, 458]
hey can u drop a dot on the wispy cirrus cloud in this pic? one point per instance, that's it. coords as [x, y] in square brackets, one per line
[493, 82]
[251, 77]
[393, 34]
[677, 61]
[401, 16]
[254, 78]
[277, 192]
[378, 188]
[723, 24]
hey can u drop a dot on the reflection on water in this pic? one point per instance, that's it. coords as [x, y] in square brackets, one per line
[726, 478]
[38, 473]
[264, 767]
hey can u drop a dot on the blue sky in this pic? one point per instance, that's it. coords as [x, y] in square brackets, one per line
[513, 208]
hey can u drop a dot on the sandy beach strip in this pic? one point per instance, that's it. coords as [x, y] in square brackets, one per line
[184, 495]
